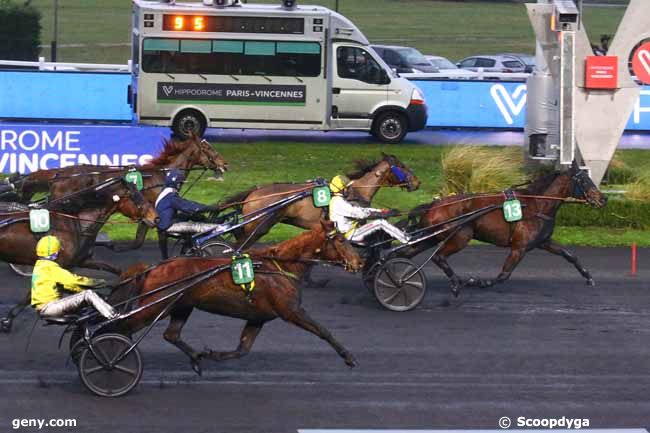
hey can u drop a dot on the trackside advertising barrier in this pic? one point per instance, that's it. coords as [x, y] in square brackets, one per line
[490, 104]
[93, 96]
[29, 147]
[68, 96]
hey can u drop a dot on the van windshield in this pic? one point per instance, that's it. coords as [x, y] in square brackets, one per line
[412, 56]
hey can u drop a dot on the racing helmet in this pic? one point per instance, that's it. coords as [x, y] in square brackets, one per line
[339, 184]
[174, 178]
[48, 247]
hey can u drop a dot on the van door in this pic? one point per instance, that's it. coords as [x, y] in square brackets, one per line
[360, 86]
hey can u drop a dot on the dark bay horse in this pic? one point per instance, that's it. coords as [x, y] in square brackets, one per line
[275, 294]
[184, 155]
[369, 177]
[76, 220]
[540, 202]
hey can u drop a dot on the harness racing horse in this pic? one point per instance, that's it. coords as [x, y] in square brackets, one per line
[540, 202]
[274, 294]
[184, 155]
[368, 179]
[76, 220]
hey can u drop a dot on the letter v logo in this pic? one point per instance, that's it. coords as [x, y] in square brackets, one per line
[509, 105]
[168, 90]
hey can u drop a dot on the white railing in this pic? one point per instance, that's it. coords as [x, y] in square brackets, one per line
[42, 65]
[463, 74]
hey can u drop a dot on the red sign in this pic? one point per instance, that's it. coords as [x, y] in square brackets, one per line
[641, 63]
[602, 72]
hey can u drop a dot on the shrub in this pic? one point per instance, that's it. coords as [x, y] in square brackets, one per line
[472, 169]
[20, 31]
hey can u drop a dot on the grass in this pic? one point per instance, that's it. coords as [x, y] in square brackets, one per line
[265, 162]
[454, 30]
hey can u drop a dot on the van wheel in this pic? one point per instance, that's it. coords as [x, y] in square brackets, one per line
[390, 127]
[188, 121]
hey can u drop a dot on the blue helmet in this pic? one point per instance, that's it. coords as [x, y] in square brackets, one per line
[174, 178]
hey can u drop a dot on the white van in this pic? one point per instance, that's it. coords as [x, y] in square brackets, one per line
[266, 66]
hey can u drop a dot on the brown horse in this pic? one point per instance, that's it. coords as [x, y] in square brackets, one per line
[275, 294]
[368, 179]
[540, 202]
[184, 155]
[76, 220]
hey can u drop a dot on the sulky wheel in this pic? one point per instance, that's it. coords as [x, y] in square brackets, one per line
[216, 249]
[110, 376]
[22, 270]
[368, 276]
[399, 285]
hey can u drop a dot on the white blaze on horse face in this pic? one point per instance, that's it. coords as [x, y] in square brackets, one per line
[116, 198]
[506, 102]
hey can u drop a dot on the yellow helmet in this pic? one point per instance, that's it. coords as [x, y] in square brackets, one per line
[339, 183]
[48, 246]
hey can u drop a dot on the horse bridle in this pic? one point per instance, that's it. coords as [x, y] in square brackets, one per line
[332, 237]
[402, 177]
[136, 197]
[203, 152]
[578, 188]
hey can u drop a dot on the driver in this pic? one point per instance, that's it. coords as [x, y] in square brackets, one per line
[48, 278]
[345, 215]
[169, 203]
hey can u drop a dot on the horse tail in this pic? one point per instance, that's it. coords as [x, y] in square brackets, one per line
[415, 214]
[130, 283]
[235, 201]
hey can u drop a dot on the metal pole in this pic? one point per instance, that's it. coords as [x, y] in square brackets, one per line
[55, 32]
[336, 6]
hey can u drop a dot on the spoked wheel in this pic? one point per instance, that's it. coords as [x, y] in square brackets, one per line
[399, 285]
[110, 376]
[369, 274]
[24, 270]
[217, 249]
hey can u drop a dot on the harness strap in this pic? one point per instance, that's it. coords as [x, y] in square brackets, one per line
[283, 272]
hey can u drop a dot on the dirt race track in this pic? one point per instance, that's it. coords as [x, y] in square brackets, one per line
[543, 345]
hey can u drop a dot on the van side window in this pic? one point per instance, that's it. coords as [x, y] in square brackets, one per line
[357, 64]
[232, 57]
[392, 58]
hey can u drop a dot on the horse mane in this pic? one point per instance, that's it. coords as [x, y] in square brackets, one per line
[91, 197]
[361, 167]
[540, 183]
[171, 149]
[295, 245]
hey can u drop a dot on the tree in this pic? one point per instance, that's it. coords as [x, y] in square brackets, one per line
[20, 31]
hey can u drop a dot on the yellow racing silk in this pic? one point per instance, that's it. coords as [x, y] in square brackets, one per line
[47, 274]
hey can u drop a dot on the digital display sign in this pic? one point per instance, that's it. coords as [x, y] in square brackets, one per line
[202, 23]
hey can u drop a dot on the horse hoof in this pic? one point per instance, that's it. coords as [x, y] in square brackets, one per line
[350, 361]
[5, 325]
[484, 284]
[196, 366]
[591, 282]
[455, 291]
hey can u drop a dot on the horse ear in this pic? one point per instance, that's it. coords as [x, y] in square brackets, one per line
[327, 225]
[574, 166]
